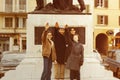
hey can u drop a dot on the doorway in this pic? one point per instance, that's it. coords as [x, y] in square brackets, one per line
[102, 43]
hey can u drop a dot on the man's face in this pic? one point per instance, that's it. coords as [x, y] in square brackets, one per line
[72, 31]
[49, 35]
[62, 30]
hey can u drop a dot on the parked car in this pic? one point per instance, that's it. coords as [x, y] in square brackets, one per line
[113, 62]
[11, 59]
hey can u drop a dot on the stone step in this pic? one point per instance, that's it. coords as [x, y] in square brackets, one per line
[31, 69]
[1, 74]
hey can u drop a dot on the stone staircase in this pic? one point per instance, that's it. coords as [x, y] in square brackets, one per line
[31, 69]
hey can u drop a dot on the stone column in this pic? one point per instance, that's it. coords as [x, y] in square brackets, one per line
[11, 44]
[20, 44]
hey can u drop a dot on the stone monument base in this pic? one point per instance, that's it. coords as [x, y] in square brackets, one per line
[73, 20]
[31, 69]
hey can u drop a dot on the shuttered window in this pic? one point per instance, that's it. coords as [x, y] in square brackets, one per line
[106, 3]
[102, 19]
[96, 3]
[106, 19]
[101, 3]
[8, 22]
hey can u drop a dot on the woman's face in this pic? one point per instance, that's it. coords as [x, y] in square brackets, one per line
[49, 35]
[75, 38]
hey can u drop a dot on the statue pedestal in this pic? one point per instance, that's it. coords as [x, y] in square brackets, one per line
[31, 69]
[74, 20]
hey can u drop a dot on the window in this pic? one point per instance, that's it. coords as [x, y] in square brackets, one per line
[22, 4]
[20, 22]
[102, 19]
[117, 39]
[8, 22]
[4, 43]
[101, 3]
[5, 47]
[8, 5]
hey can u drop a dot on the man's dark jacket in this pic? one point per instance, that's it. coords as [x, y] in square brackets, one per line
[60, 46]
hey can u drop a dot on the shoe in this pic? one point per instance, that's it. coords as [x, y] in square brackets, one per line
[81, 9]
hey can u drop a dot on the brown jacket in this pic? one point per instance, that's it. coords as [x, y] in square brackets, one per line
[46, 47]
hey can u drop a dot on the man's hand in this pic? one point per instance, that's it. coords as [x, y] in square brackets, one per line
[56, 25]
[47, 26]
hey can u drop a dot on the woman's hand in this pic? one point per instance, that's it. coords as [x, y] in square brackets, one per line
[66, 26]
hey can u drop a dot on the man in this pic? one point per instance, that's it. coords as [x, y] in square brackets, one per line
[60, 46]
[40, 4]
[70, 4]
[48, 53]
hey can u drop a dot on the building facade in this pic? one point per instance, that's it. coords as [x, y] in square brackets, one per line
[106, 25]
[13, 22]
[13, 15]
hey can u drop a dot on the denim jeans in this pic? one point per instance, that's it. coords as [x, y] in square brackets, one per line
[46, 75]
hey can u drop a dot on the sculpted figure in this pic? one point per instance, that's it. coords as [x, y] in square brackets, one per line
[59, 4]
[40, 4]
[82, 5]
[70, 4]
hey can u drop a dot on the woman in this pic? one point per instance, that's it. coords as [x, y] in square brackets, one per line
[75, 60]
[68, 46]
[48, 53]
